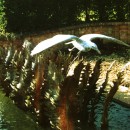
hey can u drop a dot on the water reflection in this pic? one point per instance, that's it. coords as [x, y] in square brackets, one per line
[119, 117]
[11, 118]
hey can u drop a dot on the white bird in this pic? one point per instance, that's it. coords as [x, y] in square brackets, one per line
[78, 43]
[83, 43]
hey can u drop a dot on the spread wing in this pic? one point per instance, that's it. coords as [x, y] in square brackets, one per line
[92, 37]
[58, 39]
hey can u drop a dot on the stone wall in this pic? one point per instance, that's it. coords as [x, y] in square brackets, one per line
[119, 30]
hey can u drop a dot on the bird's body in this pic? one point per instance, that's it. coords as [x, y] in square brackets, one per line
[78, 43]
[83, 43]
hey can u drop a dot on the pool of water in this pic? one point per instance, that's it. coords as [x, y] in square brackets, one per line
[119, 117]
[11, 118]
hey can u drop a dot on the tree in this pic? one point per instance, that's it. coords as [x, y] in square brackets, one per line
[32, 16]
[3, 21]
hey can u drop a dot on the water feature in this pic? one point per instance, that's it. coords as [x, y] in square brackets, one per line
[119, 117]
[25, 94]
[13, 119]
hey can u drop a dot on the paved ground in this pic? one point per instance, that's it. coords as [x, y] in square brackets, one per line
[123, 96]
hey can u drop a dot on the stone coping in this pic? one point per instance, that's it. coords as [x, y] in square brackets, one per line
[122, 96]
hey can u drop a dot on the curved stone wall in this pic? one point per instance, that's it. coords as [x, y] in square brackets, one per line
[119, 30]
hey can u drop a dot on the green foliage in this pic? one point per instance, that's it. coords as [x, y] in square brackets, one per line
[3, 21]
[44, 86]
[31, 15]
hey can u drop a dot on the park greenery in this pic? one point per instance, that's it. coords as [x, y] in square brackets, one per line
[20, 16]
[50, 85]
[57, 91]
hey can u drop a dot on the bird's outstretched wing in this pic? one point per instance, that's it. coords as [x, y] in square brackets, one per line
[58, 39]
[91, 37]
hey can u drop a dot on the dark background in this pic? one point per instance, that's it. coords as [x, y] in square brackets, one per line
[39, 15]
